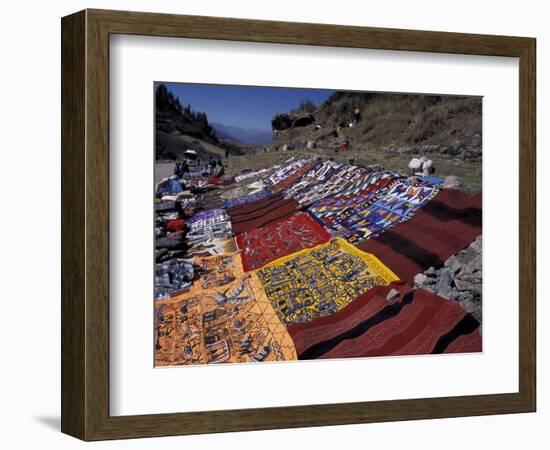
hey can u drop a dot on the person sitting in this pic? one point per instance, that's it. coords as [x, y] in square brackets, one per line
[176, 170]
[219, 170]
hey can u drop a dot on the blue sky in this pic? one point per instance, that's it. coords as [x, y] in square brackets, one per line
[244, 106]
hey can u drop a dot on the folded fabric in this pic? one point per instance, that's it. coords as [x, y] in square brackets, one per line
[320, 281]
[443, 227]
[414, 323]
[175, 225]
[280, 238]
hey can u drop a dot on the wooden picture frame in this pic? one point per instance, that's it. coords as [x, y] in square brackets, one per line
[85, 224]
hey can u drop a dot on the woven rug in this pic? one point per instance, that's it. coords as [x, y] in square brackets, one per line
[417, 322]
[341, 179]
[294, 177]
[225, 317]
[320, 281]
[229, 203]
[319, 174]
[363, 221]
[260, 213]
[443, 227]
[281, 238]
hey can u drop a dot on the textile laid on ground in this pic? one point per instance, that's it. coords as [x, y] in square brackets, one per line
[214, 246]
[229, 203]
[320, 281]
[240, 192]
[280, 238]
[259, 213]
[371, 182]
[334, 213]
[320, 173]
[286, 169]
[224, 317]
[172, 276]
[416, 322]
[253, 173]
[294, 177]
[443, 227]
[210, 224]
[339, 180]
[360, 222]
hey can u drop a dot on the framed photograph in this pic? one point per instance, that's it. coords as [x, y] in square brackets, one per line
[273, 225]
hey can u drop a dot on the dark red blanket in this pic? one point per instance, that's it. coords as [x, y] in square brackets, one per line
[443, 227]
[283, 237]
[261, 213]
[417, 322]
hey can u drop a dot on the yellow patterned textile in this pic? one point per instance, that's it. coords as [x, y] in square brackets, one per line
[320, 281]
[224, 317]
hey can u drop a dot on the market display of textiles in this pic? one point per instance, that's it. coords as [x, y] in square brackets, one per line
[307, 259]
[317, 282]
[366, 216]
[229, 203]
[281, 238]
[343, 177]
[417, 322]
[224, 317]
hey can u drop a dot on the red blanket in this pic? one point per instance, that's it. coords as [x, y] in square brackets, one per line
[417, 322]
[258, 214]
[443, 227]
[283, 237]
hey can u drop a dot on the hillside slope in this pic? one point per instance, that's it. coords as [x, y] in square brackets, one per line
[399, 123]
[178, 128]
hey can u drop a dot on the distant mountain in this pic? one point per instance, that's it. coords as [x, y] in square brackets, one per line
[242, 135]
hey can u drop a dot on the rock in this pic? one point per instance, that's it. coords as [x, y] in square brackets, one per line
[474, 264]
[445, 279]
[462, 285]
[468, 305]
[303, 121]
[451, 182]
[476, 153]
[466, 255]
[429, 148]
[477, 244]
[431, 272]
[453, 264]
[455, 147]
[392, 294]
[420, 279]
[459, 279]
[477, 289]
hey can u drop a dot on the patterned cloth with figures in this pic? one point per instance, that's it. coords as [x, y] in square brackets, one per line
[320, 281]
[224, 317]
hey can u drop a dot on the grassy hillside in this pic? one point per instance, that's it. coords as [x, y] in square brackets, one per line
[410, 124]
